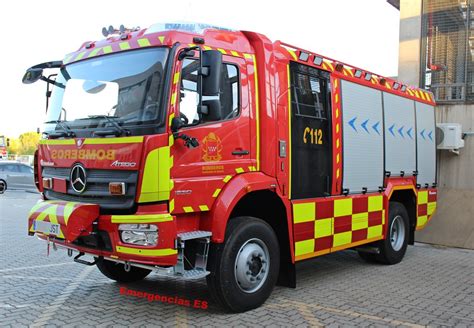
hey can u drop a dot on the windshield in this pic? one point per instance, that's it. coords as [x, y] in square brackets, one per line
[122, 89]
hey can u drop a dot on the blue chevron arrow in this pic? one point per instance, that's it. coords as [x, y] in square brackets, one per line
[364, 126]
[400, 131]
[423, 134]
[352, 123]
[391, 129]
[376, 127]
[429, 135]
[409, 133]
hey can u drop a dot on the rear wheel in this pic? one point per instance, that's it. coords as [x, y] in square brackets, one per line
[393, 247]
[245, 269]
[116, 271]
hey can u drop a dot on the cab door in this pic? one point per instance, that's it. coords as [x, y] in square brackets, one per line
[224, 150]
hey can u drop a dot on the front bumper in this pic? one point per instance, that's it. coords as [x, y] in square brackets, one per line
[82, 228]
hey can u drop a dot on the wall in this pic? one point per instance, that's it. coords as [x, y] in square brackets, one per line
[410, 42]
[453, 222]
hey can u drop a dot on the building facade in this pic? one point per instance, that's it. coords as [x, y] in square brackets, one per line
[437, 53]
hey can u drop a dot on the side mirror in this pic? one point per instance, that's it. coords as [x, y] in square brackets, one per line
[186, 53]
[32, 75]
[211, 110]
[176, 124]
[211, 72]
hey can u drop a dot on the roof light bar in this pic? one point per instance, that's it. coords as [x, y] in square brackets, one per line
[120, 31]
[396, 85]
[404, 88]
[358, 73]
[318, 60]
[303, 56]
[368, 76]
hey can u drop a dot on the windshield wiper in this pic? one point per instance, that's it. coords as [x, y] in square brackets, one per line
[66, 130]
[112, 120]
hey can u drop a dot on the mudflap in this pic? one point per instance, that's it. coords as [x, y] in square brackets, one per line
[60, 219]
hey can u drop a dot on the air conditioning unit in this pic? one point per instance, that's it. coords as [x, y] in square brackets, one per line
[449, 136]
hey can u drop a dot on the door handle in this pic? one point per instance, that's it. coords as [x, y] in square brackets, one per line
[240, 152]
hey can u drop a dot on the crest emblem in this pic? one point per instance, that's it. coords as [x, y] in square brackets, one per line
[212, 148]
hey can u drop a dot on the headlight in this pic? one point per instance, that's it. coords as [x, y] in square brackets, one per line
[139, 234]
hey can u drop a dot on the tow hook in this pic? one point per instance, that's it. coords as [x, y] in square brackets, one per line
[78, 260]
[127, 266]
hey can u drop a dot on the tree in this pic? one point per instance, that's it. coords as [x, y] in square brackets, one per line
[26, 144]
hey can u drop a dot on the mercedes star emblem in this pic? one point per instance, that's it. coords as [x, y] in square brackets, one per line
[78, 178]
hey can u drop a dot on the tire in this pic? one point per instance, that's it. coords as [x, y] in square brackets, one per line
[3, 186]
[394, 246]
[245, 268]
[116, 271]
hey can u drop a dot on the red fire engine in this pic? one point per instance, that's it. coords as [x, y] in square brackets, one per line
[195, 151]
[4, 143]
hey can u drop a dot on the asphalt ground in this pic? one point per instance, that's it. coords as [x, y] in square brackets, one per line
[433, 286]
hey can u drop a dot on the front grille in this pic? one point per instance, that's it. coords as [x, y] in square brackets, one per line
[97, 189]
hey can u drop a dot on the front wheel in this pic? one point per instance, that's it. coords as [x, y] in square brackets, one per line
[244, 271]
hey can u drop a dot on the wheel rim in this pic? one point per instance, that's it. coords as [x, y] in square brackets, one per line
[2, 187]
[252, 265]
[397, 233]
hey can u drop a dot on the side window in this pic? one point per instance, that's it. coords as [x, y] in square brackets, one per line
[309, 97]
[25, 169]
[11, 168]
[188, 97]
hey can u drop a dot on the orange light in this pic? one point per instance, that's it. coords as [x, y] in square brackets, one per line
[47, 183]
[117, 188]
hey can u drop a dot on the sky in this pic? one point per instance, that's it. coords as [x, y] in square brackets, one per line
[362, 33]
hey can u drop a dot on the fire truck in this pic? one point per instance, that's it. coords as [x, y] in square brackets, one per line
[196, 151]
[4, 143]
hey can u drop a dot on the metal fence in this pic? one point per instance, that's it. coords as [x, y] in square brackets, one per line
[448, 49]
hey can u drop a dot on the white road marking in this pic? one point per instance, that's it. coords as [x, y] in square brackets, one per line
[181, 317]
[37, 266]
[62, 298]
[53, 278]
[349, 313]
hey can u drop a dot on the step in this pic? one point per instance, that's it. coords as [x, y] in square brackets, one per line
[188, 274]
[194, 235]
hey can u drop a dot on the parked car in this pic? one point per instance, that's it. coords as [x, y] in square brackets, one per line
[16, 175]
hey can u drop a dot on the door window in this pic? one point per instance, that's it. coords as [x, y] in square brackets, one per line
[229, 92]
[26, 169]
[10, 168]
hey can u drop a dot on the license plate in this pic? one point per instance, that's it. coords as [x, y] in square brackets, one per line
[47, 228]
